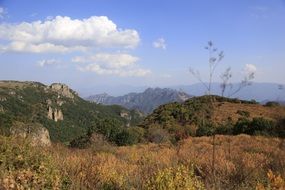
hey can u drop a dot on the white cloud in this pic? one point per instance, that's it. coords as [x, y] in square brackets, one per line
[119, 64]
[249, 69]
[63, 34]
[49, 17]
[159, 43]
[18, 46]
[46, 62]
[112, 61]
[2, 12]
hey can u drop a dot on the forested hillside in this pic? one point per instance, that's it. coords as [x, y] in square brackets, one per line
[60, 110]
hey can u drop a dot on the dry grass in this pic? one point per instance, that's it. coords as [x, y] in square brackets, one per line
[241, 162]
[226, 110]
[14, 84]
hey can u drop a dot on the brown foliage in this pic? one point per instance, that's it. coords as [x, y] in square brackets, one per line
[241, 162]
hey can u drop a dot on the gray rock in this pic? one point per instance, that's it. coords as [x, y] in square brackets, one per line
[62, 89]
[33, 131]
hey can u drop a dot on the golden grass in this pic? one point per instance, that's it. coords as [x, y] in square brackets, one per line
[241, 162]
[224, 110]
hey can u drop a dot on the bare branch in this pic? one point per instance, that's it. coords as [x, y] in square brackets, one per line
[214, 59]
[247, 81]
[226, 76]
[196, 74]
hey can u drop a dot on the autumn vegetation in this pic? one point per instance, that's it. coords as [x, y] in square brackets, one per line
[241, 162]
[207, 142]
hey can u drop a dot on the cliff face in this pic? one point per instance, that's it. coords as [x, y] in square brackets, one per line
[146, 101]
[32, 131]
[55, 114]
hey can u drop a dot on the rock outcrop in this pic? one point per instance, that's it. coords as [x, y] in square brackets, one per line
[127, 116]
[54, 114]
[3, 99]
[32, 131]
[2, 109]
[62, 89]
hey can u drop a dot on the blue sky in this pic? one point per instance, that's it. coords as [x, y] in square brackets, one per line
[139, 43]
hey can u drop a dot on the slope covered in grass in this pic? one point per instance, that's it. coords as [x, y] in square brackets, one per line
[207, 115]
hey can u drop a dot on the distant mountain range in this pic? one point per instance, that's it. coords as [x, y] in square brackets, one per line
[257, 91]
[151, 98]
[145, 101]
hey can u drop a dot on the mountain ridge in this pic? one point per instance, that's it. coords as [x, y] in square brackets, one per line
[260, 91]
[145, 101]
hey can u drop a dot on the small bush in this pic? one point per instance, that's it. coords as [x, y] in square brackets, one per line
[226, 129]
[175, 178]
[206, 129]
[81, 142]
[272, 104]
[280, 128]
[261, 125]
[258, 126]
[241, 126]
[158, 135]
[126, 137]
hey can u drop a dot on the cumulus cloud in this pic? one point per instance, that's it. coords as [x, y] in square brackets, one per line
[109, 60]
[159, 43]
[63, 34]
[46, 62]
[119, 64]
[18, 46]
[249, 69]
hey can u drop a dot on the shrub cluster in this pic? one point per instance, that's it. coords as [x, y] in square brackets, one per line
[26, 167]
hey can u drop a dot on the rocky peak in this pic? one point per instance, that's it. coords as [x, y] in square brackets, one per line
[100, 98]
[62, 89]
[182, 96]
